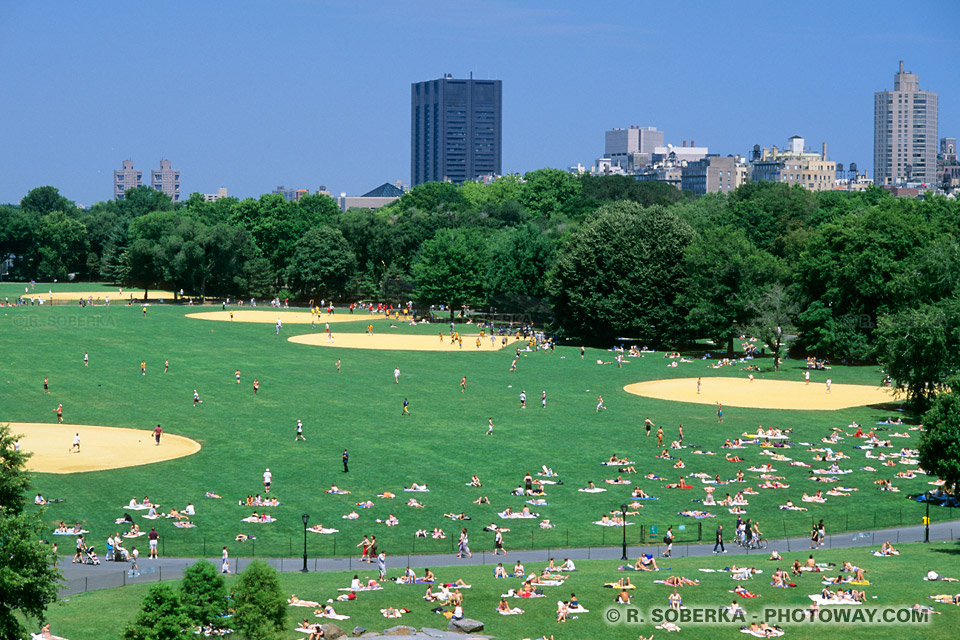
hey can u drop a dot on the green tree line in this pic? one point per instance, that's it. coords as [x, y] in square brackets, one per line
[851, 276]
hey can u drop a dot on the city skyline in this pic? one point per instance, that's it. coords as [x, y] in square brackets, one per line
[247, 96]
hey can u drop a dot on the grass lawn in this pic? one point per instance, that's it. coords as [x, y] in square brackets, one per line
[441, 443]
[896, 582]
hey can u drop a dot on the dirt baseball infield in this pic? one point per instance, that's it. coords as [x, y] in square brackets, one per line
[100, 447]
[269, 316]
[398, 342]
[762, 394]
[98, 296]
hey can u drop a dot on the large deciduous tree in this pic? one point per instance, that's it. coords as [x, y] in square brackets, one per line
[161, 616]
[28, 577]
[520, 258]
[450, 269]
[619, 275]
[920, 347]
[260, 606]
[203, 594]
[940, 441]
[725, 275]
[322, 264]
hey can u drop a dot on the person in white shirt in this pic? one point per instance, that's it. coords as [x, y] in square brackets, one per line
[189, 510]
[267, 478]
[568, 565]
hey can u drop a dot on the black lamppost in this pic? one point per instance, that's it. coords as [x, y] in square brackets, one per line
[623, 513]
[926, 521]
[306, 518]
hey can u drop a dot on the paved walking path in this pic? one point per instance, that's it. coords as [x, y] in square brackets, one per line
[80, 578]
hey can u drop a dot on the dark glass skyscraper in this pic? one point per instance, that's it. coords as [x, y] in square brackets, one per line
[455, 131]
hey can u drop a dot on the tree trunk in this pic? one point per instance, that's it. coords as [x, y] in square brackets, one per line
[730, 347]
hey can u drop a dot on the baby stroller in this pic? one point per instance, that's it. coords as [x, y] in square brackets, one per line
[90, 556]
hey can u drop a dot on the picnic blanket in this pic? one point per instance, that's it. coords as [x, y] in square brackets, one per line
[70, 532]
[594, 490]
[324, 530]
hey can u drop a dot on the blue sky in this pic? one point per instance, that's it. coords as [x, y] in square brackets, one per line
[251, 95]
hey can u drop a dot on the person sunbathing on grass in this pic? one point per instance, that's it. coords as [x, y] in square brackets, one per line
[475, 481]
[615, 460]
[505, 608]
[680, 581]
[665, 455]
[679, 464]
[743, 592]
[499, 571]
[386, 494]
[335, 489]
[482, 500]
[518, 570]
[365, 505]
[886, 549]
[417, 487]
[674, 601]
[545, 524]
[934, 576]
[413, 502]
[645, 562]
[639, 493]
[209, 494]
[353, 515]
[294, 600]
[623, 597]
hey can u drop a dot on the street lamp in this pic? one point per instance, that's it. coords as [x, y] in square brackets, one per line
[306, 518]
[623, 513]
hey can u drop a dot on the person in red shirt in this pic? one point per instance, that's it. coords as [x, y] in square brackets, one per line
[157, 433]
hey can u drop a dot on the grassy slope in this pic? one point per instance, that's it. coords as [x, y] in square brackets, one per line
[442, 443]
[897, 581]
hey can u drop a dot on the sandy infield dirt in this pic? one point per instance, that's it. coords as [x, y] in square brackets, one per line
[398, 341]
[762, 394]
[100, 447]
[269, 316]
[74, 296]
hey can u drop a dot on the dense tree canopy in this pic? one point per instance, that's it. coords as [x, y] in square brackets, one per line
[940, 442]
[850, 276]
[619, 275]
[28, 578]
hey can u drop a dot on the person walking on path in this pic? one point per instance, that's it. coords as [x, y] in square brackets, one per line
[668, 540]
[719, 542]
[157, 433]
[373, 549]
[78, 556]
[498, 543]
[382, 564]
[463, 545]
[346, 459]
[224, 561]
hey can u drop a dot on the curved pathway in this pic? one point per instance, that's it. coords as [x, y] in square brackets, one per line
[81, 578]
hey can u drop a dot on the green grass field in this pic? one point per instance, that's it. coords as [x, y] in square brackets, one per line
[442, 443]
[896, 582]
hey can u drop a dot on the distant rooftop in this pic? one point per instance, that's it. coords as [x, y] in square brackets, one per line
[386, 190]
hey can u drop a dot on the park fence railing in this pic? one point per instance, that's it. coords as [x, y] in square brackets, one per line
[643, 532]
